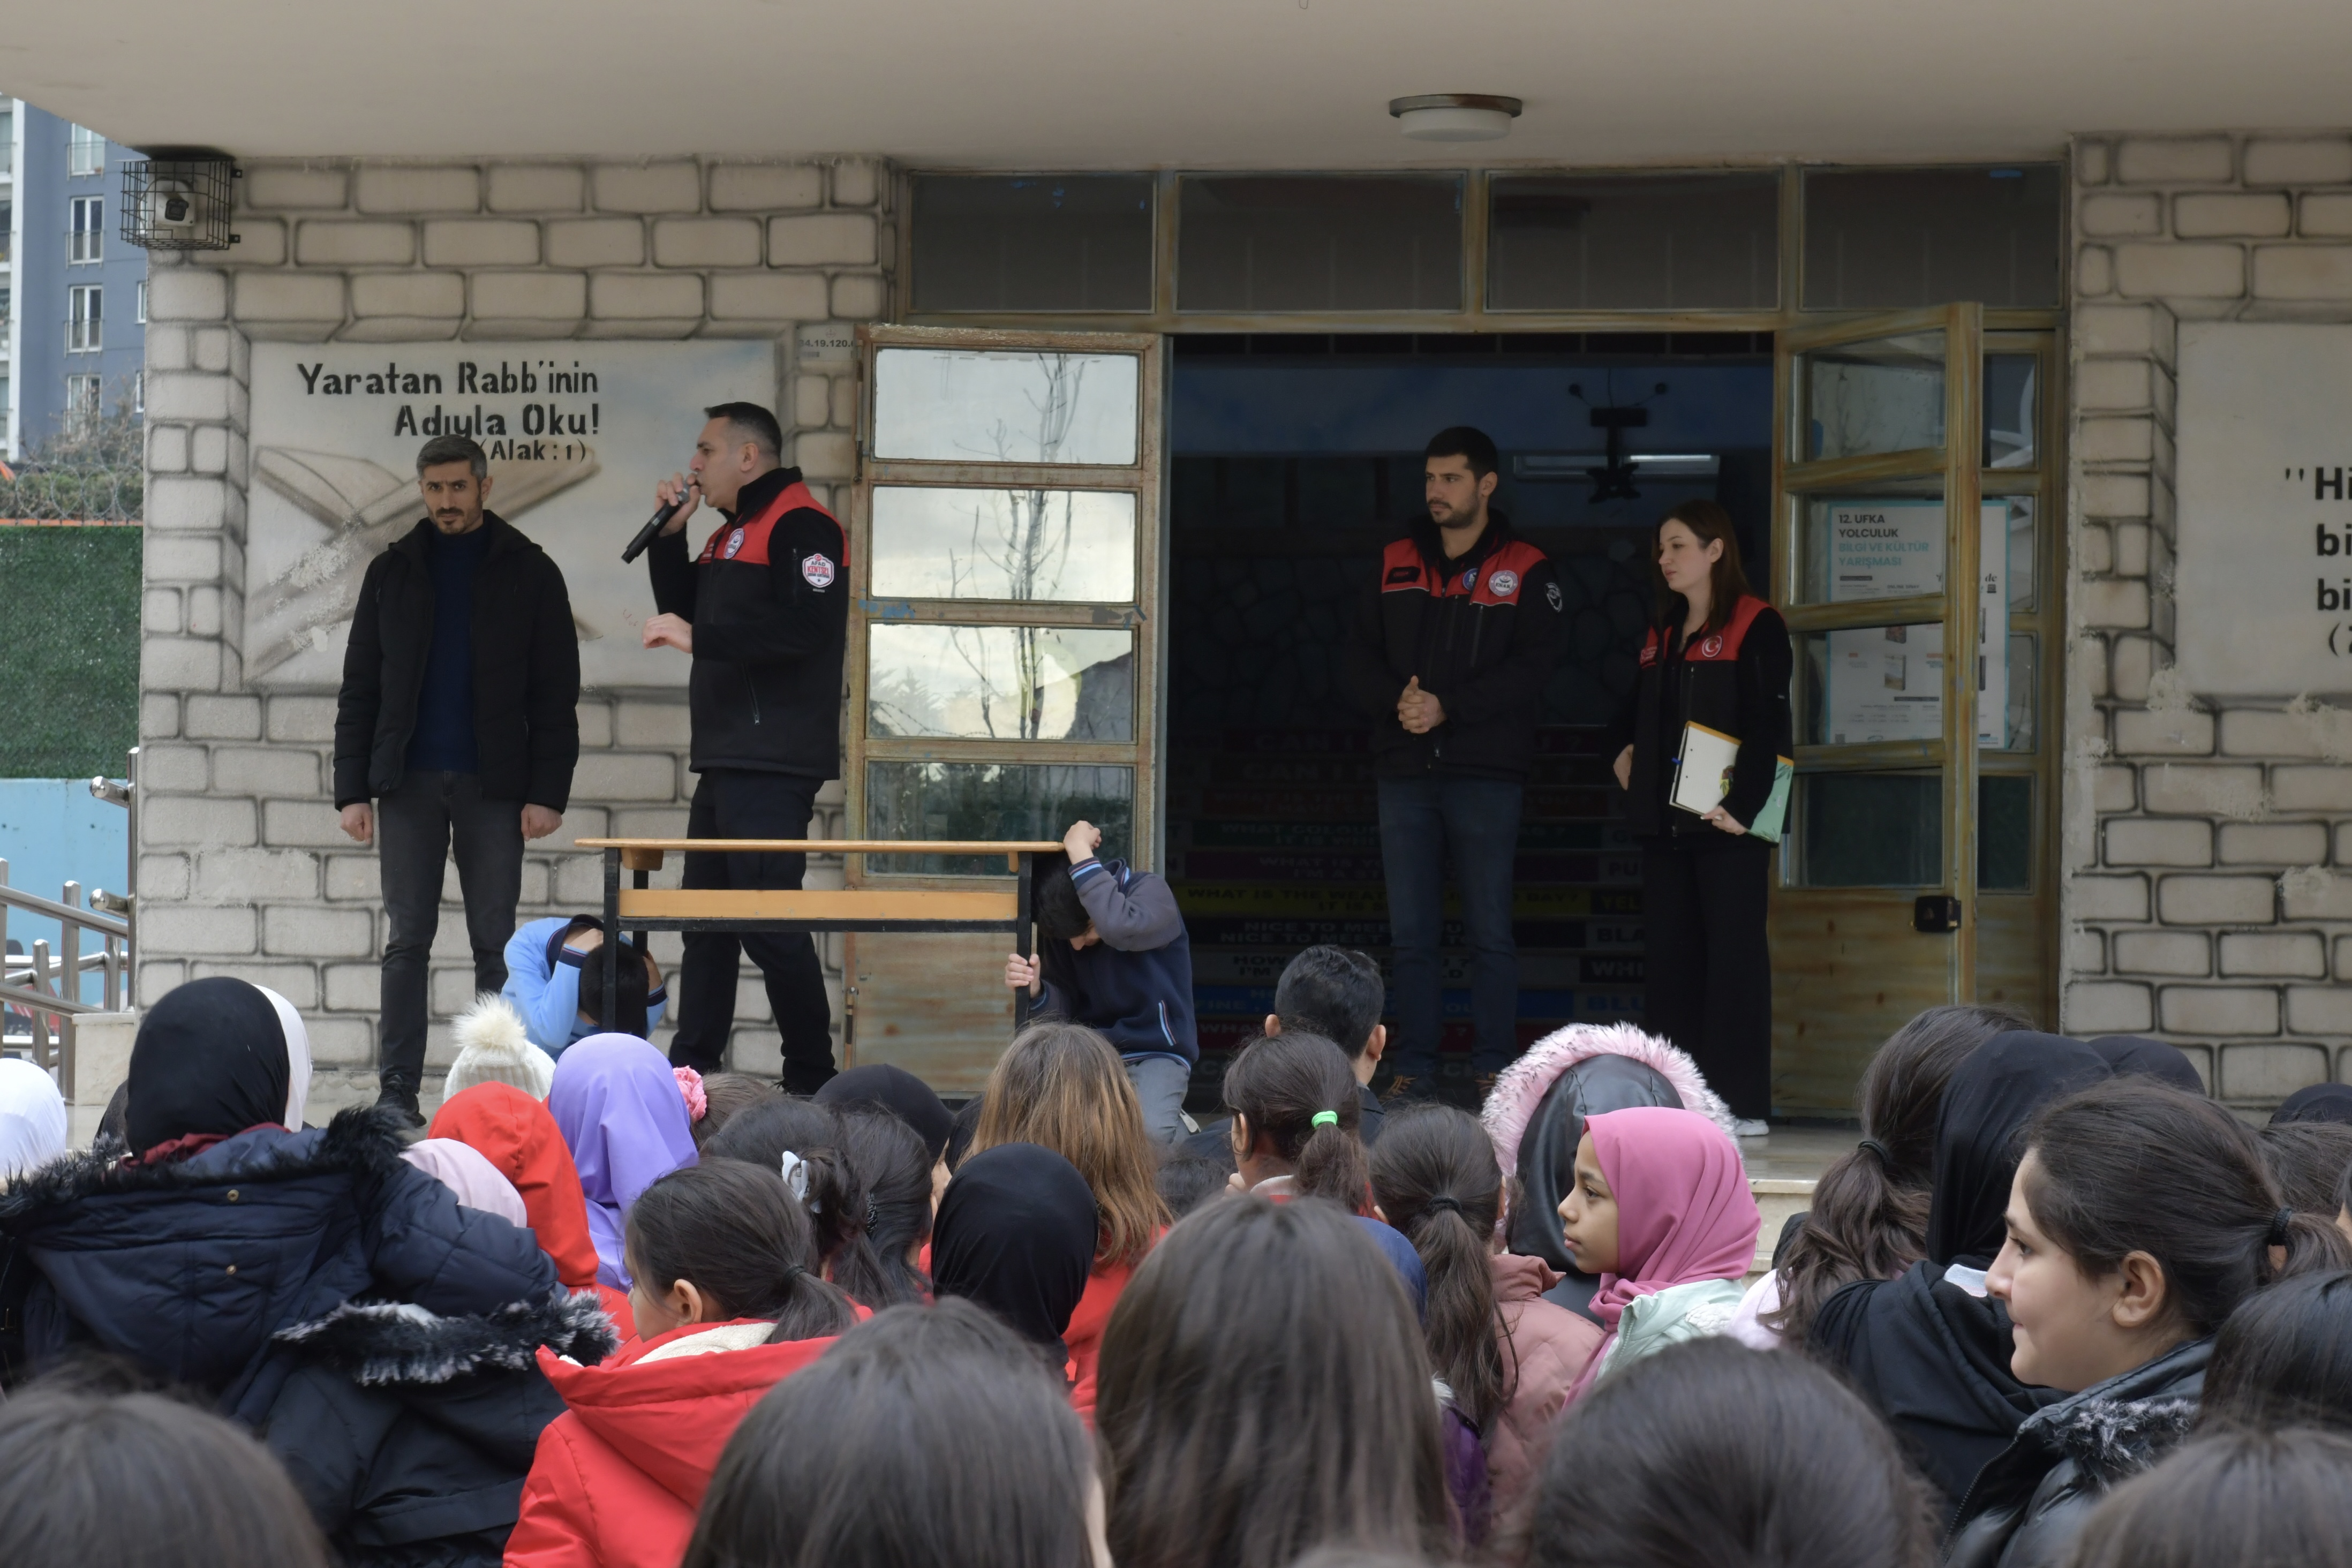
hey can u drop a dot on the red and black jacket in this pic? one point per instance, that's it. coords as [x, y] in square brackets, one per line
[1481, 632]
[1734, 681]
[769, 599]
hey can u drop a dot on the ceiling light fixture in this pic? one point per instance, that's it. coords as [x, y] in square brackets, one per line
[1455, 116]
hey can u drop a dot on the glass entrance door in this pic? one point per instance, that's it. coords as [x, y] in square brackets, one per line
[1902, 675]
[1004, 644]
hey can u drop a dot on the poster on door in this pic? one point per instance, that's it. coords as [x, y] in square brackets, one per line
[577, 435]
[1886, 683]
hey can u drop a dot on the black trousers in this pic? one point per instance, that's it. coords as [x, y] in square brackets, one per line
[737, 804]
[417, 827]
[1709, 973]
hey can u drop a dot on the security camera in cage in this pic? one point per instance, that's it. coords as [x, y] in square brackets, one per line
[178, 199]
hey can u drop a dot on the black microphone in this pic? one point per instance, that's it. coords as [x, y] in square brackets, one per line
[654, 525]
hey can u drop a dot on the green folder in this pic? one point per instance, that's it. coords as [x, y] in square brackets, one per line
[1772, 822]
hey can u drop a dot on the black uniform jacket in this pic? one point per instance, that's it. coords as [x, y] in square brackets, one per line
[1481, 633]
[768, 600]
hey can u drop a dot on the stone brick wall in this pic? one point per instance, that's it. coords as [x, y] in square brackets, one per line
[2208, 846]
[243, 868]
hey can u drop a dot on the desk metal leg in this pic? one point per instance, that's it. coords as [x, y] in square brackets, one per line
[610, 1012]
[1022, 906]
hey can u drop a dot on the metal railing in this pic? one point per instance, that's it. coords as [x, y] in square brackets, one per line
[42, 990]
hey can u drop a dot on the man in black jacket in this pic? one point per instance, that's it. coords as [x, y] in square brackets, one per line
[459, 715]
[1449, 661]
[764, 613]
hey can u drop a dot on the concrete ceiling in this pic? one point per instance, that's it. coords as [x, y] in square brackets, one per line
[1095, 83]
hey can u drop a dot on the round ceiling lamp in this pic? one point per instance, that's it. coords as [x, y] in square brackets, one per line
[1455, 116]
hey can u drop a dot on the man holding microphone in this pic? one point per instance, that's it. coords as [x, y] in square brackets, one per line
[763, 611]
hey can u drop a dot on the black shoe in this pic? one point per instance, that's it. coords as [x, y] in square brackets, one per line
[401, 1099]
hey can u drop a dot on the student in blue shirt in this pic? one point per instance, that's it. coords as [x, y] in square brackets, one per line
[546, 959]
[1113, 955]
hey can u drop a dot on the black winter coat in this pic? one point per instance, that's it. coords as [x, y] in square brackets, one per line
[526, 671]
[1481, 633]
[769, 601]
[2030, 1504]
[1934, 1359]
[1734, 681]
[380, 1338]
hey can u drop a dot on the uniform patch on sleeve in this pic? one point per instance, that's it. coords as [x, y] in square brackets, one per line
[818, 571]
[1552, 597]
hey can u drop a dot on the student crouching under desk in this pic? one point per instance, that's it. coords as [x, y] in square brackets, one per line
[546, 961]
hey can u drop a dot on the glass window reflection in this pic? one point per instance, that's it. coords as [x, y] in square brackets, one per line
[1002, 683]
[1065, 545]
[969, 406]
[1885, 396]
[993, 802]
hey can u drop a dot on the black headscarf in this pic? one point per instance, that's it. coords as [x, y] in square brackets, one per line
[210, 1059]
[2127, 1054]
[893, 1089]
[2317, 1102]
[1017, 1233]
[1993, 1094]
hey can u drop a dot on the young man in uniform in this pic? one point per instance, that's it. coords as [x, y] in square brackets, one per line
[1449, 661]
[764, 612]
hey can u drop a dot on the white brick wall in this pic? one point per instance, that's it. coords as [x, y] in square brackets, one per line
[243, 866]
[2208, 890]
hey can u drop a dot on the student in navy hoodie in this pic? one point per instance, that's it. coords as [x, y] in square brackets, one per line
[1113, 955]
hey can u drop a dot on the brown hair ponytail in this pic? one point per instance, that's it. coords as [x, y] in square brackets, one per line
[1434, 1175]
[2133, 1165]
[1869, 1214]
[733, 1232]
[1298, 1093]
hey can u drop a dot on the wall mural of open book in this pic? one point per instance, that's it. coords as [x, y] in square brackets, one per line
[577, 432]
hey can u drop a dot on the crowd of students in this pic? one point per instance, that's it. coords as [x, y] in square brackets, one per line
[2056, 1307]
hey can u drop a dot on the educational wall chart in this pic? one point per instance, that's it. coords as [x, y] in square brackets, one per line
[1886, 683]
[578, 434]
[2264, 579]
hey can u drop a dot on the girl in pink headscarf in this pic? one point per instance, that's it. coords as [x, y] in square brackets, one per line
[1660, 1211]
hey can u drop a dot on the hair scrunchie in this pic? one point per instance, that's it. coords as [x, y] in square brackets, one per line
[1324, 1119]
[1885, 1160]
[1441, 1202]
[795, 1170]
[689, 1084]
[2279, 1224]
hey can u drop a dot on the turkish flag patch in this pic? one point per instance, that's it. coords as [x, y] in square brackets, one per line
[818, 571]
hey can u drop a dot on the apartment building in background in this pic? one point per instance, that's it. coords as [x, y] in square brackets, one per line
[73, 295]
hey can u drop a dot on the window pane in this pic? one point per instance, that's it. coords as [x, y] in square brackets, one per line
[1886, 683]
[2020, 510]
[1885, 396]
[1003, 545]
[1869, 830]
[1869, 547]
[993, 800]
[1886, 238]
[1635, 242]
[2011, 388]
[1032, 242]
[959, 406]
[2023, 658]
[1005, 683]
[2005, 833]
[1379, 242]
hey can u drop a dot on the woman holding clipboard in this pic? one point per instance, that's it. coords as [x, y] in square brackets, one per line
[1704, 737]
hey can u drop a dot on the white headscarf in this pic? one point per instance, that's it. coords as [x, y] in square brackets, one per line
[297, 1058]
[32, 1117]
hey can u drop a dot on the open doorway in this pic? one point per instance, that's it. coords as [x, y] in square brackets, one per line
[1293, 459]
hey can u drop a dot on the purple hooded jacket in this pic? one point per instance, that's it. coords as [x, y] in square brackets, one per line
[621, 1112]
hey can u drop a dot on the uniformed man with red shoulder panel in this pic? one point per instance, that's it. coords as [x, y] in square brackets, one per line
[1450, 659]
[764, 612]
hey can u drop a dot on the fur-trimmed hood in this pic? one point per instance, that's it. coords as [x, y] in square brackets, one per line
[2112, 1438]
[1522, 1085]
[361, 1141]
[380, 1342]
[193, 1268]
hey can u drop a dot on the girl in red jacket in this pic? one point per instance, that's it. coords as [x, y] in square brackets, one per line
[1061, 1086]
[727, 1304]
